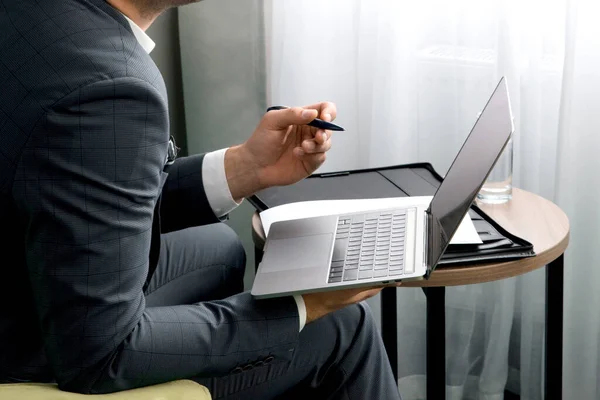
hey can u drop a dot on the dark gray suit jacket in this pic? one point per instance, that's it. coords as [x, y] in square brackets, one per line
[83, 142]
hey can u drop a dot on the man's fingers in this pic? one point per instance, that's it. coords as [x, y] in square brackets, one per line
[281, 119]
[372, 292]
[327, 110]
[312, 147]
[312, 161]
[321, 136]
[366, 294]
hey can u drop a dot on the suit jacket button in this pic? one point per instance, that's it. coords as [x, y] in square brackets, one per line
[248, 367]
[237, 370]
[259, 364]
[269, 359]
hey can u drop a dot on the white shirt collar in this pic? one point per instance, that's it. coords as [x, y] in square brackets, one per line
[141, 36]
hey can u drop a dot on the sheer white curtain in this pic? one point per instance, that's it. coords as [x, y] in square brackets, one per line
[409, 78]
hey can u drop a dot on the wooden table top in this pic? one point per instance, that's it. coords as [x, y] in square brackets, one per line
[527, 215]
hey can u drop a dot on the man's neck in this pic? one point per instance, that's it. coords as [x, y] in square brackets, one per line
[142, 18]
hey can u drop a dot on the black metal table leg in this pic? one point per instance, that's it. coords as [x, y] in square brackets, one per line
[436, 342]
[554, 329]
[389, 327]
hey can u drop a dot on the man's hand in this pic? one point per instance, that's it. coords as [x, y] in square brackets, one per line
[282, 150]
[320, 304]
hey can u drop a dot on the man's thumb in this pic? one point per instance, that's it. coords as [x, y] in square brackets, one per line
[281, 119]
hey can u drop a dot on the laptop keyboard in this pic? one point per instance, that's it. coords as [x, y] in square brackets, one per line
[369, 246]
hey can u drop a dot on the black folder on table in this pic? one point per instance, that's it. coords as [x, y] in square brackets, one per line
[418, 179]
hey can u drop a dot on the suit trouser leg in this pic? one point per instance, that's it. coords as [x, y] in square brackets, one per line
[340, 356]
[197, 264]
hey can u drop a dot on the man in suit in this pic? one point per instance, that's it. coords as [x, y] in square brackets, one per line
[122, 273]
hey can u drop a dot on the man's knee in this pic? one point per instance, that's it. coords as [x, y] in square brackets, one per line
[232, 254]
[361, 317]
[349, 326]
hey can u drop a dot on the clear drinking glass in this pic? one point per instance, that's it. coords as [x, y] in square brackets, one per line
[498, 187]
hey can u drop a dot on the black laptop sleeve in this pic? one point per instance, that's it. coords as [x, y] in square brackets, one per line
[399, 181]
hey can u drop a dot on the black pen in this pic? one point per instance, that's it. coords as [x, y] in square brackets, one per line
[317, 123]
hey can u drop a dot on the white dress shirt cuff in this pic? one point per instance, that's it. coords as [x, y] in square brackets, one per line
[215, 183]
[301, 310]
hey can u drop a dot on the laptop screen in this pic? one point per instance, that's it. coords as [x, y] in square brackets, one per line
[469, 171]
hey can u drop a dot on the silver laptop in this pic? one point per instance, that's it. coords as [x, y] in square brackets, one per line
[386, 246]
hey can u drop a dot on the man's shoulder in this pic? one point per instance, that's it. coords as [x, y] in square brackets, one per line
[52, 48]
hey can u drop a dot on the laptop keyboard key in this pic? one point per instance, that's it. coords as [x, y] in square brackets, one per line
[337, 269]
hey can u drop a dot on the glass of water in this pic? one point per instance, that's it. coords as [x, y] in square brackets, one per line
[498, 187]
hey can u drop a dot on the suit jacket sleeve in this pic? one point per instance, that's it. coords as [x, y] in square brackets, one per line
[86, 185]
[184, 202]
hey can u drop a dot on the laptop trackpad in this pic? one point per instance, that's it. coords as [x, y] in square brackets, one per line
[297, 253]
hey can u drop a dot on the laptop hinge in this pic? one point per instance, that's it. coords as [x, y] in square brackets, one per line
[428, 242]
